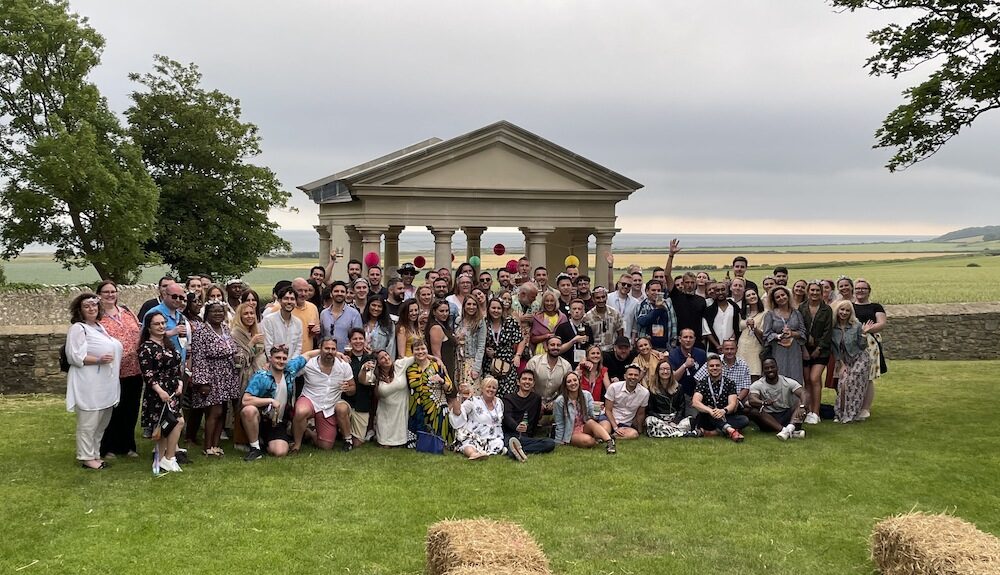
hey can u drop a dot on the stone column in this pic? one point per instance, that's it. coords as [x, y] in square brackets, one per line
[603, 239]
[371, 241]
[391, 263]
[579, 240]
[324, 243]
[355, 250]
[442, 246]
[473, 239]
[535, 240]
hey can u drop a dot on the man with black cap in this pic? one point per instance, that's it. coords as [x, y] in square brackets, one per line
[619, 358]
[407, 272]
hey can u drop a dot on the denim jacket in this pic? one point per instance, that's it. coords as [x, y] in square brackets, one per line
[854, 341]
[564, 416]
[475, 345]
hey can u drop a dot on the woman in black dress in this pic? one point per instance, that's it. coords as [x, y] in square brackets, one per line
[503, 344]
[160, 366]
[440, 338]
[867, 311]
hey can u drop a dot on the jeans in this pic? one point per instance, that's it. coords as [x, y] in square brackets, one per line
[706, 421]
[531, 444]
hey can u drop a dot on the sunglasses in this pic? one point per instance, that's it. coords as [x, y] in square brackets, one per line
[177, 296]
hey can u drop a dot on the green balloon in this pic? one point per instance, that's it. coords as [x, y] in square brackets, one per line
[475, 261]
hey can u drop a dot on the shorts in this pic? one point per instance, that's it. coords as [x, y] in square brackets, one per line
[269, 432]
[815, 361]
[359, 424]
[326, 427]
[602, 418]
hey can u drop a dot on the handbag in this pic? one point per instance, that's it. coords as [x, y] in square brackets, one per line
[168, 420]
[500, 368]
[429, 443]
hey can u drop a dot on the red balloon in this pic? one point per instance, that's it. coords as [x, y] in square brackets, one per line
[512, 266]
[419, 261]
[372, 259]
[452, 256]
[499, 249]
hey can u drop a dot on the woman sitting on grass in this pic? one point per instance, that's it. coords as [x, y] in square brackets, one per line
[431, 391]
[593, 375]
[573, 413]
[478, 422]
[665, 412]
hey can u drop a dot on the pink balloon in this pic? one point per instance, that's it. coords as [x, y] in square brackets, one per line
[512, 266]
[372, 259]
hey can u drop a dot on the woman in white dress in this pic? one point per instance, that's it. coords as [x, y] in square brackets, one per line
[478, 423]
[92, 387]
[393, 393]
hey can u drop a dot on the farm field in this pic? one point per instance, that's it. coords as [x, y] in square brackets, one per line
[941, 279]
[659, 506]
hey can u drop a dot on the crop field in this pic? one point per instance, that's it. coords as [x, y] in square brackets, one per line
[941, 279]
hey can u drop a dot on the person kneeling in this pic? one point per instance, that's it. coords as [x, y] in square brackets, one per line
[327, 380]
[521, 412]
[476, 421]
[716, 401]
[573, 411]
[625, 406]
[778, 403]
[266, 403]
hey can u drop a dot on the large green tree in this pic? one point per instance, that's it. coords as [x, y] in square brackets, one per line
[214, 204]
[958, 41]
[71, 177]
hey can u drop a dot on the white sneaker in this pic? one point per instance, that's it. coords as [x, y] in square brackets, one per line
[863, 415]
[169, 464]
[786, 432]
[799, 434]
[812, 419]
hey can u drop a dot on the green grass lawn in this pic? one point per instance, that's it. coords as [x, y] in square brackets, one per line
[663, 506]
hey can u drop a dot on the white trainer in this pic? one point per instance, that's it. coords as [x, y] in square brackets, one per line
[812, 419]
[799, 434]
[786, 432]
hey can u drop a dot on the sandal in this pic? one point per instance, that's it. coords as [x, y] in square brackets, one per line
[103, 465]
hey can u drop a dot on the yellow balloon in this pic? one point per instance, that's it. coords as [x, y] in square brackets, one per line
[572, 261]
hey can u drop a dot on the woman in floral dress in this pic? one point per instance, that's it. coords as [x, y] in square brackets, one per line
[160, 367]
[431, 390]
[215, 378]
[504, 342]
[850, 347]
[478, 423]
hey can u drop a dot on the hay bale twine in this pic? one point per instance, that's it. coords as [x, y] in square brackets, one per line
[486, 570]
[493, 546]
[924, 544]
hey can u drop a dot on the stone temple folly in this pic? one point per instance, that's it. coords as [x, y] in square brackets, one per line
[500, 175]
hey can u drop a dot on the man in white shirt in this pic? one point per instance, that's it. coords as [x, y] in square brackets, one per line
[327, 379]
[720, 320]
[625, 406]
[283, 328]
[621, 301]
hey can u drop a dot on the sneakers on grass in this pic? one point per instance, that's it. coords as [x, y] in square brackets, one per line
[735, 435]
[612, 448]
[812, 419]
[786, 432]
[799, 434]
[515, 449]
[253, 455]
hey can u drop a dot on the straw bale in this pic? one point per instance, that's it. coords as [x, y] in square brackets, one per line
[488, 570]
[483, 543]
[926, 544]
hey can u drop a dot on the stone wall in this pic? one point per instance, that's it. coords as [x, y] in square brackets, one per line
[50, 305]
[29, 359]
[942, 331]
[29, 355]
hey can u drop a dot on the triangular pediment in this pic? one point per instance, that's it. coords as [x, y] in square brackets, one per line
[492, 166]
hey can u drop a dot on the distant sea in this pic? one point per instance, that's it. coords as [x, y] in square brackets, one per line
[416, 242]
[307, 240]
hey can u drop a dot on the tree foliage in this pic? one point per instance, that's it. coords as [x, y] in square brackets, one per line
[958, 40]
[214, 205]
[71, 176]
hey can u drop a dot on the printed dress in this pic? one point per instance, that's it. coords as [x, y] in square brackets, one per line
[479, 426]
[504, 345]
[428, 404]
[159, 366]
[213, 363]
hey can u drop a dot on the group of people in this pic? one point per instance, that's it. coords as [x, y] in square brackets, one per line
[469, 361]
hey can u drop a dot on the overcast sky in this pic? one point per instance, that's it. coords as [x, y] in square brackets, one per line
[737, 116]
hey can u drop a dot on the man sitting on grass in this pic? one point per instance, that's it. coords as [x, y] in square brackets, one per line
[625, 406]
[778, 403]
[521, 412]
[715, 401]
[267, 403]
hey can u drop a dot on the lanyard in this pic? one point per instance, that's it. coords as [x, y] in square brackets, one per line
[722, 386]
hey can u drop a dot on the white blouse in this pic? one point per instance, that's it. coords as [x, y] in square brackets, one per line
[91, 387]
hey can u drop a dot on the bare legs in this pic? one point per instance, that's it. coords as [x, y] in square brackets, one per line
[814, 386]
[213, 427]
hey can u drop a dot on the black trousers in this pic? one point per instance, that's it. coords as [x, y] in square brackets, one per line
[119, 437]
